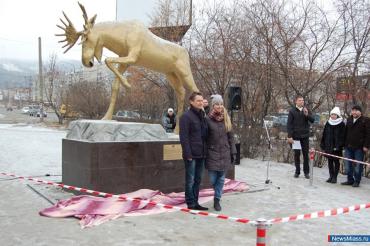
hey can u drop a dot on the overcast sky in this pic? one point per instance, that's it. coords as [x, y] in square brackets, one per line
[23, 21]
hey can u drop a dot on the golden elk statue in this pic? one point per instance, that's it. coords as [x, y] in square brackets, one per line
[135, 45]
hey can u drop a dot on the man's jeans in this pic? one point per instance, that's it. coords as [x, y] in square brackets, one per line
[217, 179]
[305, 146]
[353, 169]
[193, 177]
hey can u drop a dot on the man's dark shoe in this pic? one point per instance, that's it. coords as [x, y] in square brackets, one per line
[347, 183]
[329, 180]
[307, 176]
[296, 175]
[333, 180]
[198, 207]
[216, 204]
[356, 184]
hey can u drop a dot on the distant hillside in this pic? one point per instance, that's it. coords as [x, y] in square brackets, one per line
[21, 73]
[16, 73]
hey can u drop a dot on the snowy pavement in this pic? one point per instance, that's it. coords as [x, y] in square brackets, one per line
[36, 151]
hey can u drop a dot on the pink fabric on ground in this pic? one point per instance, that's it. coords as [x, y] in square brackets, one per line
[94, 211]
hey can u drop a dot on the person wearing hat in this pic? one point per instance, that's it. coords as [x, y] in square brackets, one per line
[220, 147]
[357, 142]
[332, 142]
[169, 120]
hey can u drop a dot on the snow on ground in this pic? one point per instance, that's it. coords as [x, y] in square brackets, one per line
[27, 150]
[30, 150]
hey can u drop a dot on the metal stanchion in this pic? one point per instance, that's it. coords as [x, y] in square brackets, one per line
[261, 225]
[312, 157]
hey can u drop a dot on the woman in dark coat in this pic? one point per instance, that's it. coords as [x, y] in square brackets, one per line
[332, 142]
[220, 147]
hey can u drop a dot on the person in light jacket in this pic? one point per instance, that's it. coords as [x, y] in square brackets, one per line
[169, 120]
[220, 147]
[332, 142]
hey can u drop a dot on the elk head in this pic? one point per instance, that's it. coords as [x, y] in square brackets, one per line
[89, 39]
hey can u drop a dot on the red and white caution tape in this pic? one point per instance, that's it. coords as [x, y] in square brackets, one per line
[320, 214]
[340, 157]
[136, 200]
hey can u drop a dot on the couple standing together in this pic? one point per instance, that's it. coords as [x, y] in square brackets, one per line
[205, 140]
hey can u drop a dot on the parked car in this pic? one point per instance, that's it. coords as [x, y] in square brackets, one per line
[127, 114]
[317, 119]
[269, 120]
[9, 107]
[38, 114]
[281, 121]
[25, 110]
[33, 109]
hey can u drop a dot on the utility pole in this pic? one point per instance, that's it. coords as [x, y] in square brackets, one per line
[41, 84]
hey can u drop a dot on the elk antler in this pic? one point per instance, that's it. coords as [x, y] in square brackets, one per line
[70, 33]
[84, 14]
[88, 23]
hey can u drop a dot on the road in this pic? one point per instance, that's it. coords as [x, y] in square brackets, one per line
[16, 116]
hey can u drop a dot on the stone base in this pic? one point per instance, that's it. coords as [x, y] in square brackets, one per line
[121, 167]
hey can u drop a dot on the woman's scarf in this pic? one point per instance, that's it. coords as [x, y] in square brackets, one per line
[217, 116]
[335, 122]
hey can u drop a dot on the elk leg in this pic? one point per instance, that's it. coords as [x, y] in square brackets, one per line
[176, 84]
[121, 79]
[131, 58]
[186, 77]
[115, 89]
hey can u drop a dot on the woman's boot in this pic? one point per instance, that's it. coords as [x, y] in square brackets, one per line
[216, 204]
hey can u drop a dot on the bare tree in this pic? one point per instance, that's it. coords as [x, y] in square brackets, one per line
[88, 98]
[170, 13]
[54, 86]
[147, 95]
[305, 43]
[357, 14]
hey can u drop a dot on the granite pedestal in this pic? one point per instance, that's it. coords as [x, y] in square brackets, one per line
[121, 157]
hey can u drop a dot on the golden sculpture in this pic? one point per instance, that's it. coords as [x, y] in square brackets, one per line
[135, 45]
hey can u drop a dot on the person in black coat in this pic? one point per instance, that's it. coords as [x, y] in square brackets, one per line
[206, 106]
[193, 136]
[332, 142]
[299, 130]
[357, 143]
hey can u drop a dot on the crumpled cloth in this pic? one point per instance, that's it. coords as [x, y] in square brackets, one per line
[93, 211]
